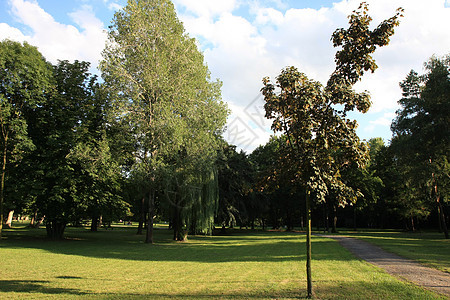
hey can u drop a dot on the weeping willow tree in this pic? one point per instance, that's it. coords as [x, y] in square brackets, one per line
[193, 200]
[205, 202]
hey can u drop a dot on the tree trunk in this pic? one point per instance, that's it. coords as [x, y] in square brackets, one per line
[442, 218]
[94, 223]
[441, 209]
[151, 204]
[33, 220]
[334, 229]
[55, 229]
[308, 246]
[2, 184]
[9, 219]
[141, 216]
[354, 217]
[413, 228]
[178, 232]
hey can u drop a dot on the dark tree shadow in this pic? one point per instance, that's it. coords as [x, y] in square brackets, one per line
[35, 286]
[125, 244]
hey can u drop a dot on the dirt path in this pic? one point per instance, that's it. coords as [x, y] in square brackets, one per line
[400, 267]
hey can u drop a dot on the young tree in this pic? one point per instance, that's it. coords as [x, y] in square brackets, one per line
[321, 141]
[162, 85]
[422, 136]
[24, 81]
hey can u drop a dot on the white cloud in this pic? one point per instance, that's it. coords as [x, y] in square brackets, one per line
[61, 41]
[208, 8]
[241, 51]
[11, 33]
[114, 6]
[244, 41]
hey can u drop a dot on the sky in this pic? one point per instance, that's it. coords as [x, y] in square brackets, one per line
[244, 41]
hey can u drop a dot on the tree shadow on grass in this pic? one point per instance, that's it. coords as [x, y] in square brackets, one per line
[35, 286]
[125, 244]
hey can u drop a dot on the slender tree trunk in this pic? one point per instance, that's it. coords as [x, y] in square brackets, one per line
[2, 185]
[141, 216]
[308, 245]
[439, 219]
[9, 219]
[334, 229]
[39, 222]
[441, 209]
[413, 228]
[354, 217]
[442, 218]
[151, 204]
[33, 220]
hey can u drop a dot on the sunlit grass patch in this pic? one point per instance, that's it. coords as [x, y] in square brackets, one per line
[117, 264]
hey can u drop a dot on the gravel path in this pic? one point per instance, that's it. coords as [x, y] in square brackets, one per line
[400, 267]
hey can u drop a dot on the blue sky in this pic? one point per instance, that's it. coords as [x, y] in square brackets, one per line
[243, 41]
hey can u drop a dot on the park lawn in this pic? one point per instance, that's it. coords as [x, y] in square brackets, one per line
[426, 247]
[116, 264]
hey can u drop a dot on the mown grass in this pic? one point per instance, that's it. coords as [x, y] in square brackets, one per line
[116, 264]
[426, 247]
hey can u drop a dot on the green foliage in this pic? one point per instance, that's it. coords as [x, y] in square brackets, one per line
[163, 92]
[71, 173]
[236, 204]
[321, 141]
[421, 140]
[24, 81]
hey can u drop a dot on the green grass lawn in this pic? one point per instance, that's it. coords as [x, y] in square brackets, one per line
[429, 248]
[116, 264]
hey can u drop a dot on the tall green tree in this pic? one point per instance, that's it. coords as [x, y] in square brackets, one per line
[163, 87]
[422, 135]
[235, 180]
[72, 173]
[24, 81]
[321, 140]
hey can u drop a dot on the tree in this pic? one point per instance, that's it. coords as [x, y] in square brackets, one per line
[24, 82]
[422, 136]
[72, 173]
[234, 174]
[273, 186]
[163, 88]
[321, 141]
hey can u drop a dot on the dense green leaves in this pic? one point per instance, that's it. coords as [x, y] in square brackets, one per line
[164, 94]
[422, 137]
[24, 82]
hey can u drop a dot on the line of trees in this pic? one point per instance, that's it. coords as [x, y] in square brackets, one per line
[145, 143]
[75, 149]
[401, 185]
